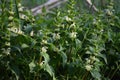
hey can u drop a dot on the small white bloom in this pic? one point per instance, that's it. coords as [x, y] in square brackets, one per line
[101, 30]
[19, 4]
[10, 18]
[56, 36]
[33, 19]
[72, 25]
[73, 35]
[31, 33]
[6, 51]
[44, 49]
[11, 12]
[20, 31]
[88, 61]
[44, 41]
[42, 63]
[23, 17]
[68, 18]
[88, 67]
[20, 9]
[92, 58]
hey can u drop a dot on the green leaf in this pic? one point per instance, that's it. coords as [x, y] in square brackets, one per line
[49, 69]
[46, 57]
[32, 66]
[64, 58]
[104, 57]
[96, 74]
[15, 70]
[78, 44]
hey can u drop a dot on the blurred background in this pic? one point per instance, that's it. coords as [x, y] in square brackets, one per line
[100, 4]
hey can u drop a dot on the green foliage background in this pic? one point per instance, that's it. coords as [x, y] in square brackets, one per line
[69, 44]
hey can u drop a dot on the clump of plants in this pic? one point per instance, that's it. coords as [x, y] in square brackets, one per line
[64, 45]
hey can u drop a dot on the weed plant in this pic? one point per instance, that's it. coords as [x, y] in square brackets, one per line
[64, 45]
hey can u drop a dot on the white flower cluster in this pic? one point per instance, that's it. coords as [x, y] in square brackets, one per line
[88, 67]
[73, 35]
[90, 62]
[16, 30]
[11, 15]
[20, 7]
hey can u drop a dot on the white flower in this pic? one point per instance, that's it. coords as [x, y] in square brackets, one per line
[11, 12]
[56, 36]
[72, 25]
[23, 17]
[6, 51]
[33, 19]
[73, 35]
[44, 49]
[88, 61]
[44, 41]
[19, 4]
[68, 18]
[92, 58]
[20, 9]
[88, 67]
[10, 18]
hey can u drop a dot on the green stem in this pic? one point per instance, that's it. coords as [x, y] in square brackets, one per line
[85, 76]
[16, 8]
[115, 71]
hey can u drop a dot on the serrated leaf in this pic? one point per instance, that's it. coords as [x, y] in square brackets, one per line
[96, 74]
[49, 69]
[104, 57]
[78, 43]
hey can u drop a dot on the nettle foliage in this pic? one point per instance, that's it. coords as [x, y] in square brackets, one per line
[64, 45]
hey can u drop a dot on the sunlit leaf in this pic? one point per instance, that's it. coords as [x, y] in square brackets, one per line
[32, 66]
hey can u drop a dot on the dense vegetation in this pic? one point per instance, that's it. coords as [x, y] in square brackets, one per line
[67, 44]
